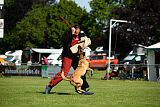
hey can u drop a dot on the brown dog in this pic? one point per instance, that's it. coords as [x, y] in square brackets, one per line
[75, 78]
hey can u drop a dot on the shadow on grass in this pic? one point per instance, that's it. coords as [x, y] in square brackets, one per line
[58, 93]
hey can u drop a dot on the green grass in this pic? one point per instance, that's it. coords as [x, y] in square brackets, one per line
[29, 92]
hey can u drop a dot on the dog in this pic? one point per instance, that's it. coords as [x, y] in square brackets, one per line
[75, 79]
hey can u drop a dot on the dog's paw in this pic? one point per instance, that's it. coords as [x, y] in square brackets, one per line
[91, 74]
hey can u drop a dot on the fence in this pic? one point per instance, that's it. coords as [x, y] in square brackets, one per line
[146, 72]
[134, 71]
[33, 70]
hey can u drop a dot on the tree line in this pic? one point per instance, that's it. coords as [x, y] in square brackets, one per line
[37, 23]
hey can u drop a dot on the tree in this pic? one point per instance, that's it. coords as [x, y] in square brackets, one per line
[143, 17]
[156, 37]
[143, 26]
[31, 29]
[29, 32]
[15, 10]
[99, 19]
[71, 13]
[41, 26]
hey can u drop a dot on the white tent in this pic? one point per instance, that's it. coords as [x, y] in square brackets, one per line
[42, 51]
[154, 47]
[152, 73]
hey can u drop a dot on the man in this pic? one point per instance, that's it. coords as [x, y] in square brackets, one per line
[69, 39]
[114, 73]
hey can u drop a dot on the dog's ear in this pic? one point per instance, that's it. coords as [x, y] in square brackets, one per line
[80, 63]
[79, 50]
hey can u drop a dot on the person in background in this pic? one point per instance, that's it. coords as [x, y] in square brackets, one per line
[145, 67]
[46, 61]
[42, 61]
[114, 73]
[125, 74]
[1, 69]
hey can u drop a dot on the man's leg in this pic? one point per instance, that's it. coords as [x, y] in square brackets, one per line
[106, 76]
[85, 84]
[66, 65]
[112, 75]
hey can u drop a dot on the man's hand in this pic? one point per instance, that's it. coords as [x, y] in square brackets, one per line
[73, 30]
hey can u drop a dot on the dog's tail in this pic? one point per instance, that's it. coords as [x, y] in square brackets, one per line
[67, 79]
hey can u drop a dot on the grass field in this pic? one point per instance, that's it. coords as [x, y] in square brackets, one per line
[29, 92]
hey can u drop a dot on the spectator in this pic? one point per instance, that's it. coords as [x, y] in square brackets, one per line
[46, 61]
[1, 69]
[42, 61]
[114, 73]
[125, 74]
[145, 67]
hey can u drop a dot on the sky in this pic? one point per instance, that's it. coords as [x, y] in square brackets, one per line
[82, 4]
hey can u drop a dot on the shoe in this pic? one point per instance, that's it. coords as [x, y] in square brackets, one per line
[87, 93]
[48, 89]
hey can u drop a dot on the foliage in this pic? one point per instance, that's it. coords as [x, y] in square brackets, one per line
[8, 2]
[31, 29]
[70, 12]
[39, 26]
[14, 10]
[142, 26]
[143, 17]
[156, 37]
[143, 23]
[100, 16]
[101, 9]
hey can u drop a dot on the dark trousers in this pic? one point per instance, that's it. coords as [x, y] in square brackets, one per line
[66, 65]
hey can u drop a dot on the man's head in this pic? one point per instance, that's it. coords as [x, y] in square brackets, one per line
[77, 29]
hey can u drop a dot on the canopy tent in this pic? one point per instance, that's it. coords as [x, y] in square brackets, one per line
[40, 50]
[154, 47]
[153, 71]
[47, 51]
[34, 54]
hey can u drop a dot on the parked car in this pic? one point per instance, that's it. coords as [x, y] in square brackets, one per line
[133, 59]
[100, 61]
